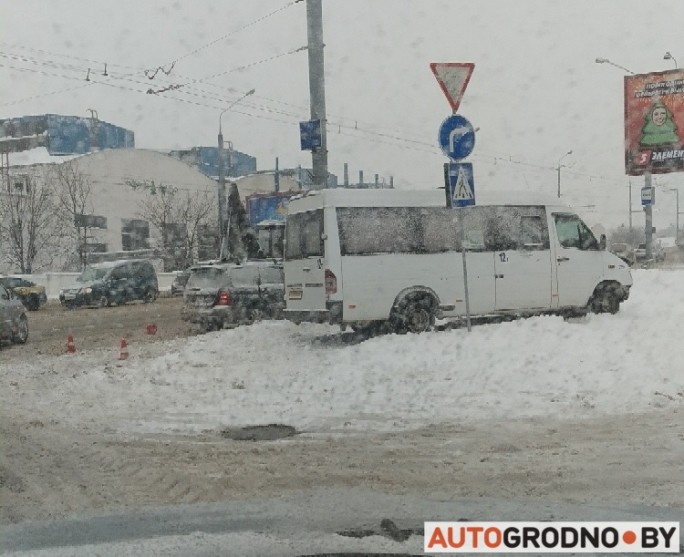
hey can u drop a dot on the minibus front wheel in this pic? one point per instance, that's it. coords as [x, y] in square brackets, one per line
[605, 299]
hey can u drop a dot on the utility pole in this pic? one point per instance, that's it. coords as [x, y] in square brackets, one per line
[276, 176]
[676, 192]
[631, 211]
[314, 28]
[648, 211]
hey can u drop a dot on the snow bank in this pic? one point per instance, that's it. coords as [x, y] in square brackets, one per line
[308, 377]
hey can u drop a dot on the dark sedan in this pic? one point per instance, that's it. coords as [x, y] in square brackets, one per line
[13, 320]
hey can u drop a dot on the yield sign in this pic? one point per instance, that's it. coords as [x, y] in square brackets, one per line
[453, 78]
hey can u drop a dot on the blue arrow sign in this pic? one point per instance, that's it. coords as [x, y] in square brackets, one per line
[310, 135]
[461, 184]
[456, 137]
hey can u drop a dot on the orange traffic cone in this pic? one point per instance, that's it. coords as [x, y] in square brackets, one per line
[70, 346]
[151, 329]
[123, 349]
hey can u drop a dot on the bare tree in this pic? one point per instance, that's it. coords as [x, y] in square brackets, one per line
[28, 222]
[73, 196]
[157, 208]
[178, 217]
[192, 213]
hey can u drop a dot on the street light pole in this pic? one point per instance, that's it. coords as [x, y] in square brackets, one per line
[223, 232]
[558, 168]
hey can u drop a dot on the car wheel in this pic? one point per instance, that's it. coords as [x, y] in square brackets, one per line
[34, 302]
[414, 315]
[149, 297]
[104, 302]
[22, 334]
[254, 315]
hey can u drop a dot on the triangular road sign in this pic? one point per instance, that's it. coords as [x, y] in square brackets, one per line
[453, 78]
[462, 189]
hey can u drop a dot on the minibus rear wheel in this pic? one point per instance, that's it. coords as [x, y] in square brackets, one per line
[414, 314]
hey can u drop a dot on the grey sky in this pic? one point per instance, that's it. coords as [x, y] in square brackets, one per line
[536, 91]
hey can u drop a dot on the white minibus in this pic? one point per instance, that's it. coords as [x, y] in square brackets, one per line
[365, 257]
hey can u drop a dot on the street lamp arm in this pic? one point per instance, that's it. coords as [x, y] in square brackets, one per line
[231, 105]
[606, 61]
[668, 56]
[558, 168]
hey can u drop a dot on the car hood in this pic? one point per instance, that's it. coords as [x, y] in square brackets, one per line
[88, 284]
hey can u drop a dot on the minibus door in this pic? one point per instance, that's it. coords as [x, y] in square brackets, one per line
[304, 264]
[579, 262]
[523, 273]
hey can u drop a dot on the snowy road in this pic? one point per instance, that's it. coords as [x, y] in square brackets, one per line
[585, 411]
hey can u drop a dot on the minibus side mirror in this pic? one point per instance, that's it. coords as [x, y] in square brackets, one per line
[602, 242]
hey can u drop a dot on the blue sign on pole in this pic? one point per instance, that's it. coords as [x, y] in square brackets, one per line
[310, 135]
[456, 137]
[461, 184]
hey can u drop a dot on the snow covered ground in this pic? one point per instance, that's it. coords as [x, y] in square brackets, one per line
[309, 378]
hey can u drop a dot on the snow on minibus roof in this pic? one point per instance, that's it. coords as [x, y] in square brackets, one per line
[341, 197]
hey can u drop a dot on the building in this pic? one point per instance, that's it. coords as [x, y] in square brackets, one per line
[62, 135]
[122, 185]
[205, 159]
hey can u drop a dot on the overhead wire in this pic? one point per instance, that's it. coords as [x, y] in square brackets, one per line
[234, 32]
[355, 131]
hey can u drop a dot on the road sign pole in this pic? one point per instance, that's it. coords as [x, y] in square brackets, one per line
[447, 189]
[465, 267]
[457, 139]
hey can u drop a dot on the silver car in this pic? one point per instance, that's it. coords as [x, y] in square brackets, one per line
[226, 295]
[13, 319]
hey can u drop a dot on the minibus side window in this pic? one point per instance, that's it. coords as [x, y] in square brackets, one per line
[373, 230]
[502, 228]
[573, 233]
[532, 233]
[440, 230]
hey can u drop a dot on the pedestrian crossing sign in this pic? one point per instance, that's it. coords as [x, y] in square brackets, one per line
[461, 184]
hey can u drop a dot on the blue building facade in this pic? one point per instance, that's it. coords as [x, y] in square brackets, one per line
[205, 159]
[62, 135]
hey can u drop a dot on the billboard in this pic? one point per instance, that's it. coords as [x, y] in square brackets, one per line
[269, 207]
[654, 123]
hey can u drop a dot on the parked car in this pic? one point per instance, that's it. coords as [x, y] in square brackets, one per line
[658, 253]
[179, 282]
[13, 320]
[32, 295]
[225, 295]
[624, 252]
[115, 282]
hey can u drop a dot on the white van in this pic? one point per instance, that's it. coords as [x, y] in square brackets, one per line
[360, 257]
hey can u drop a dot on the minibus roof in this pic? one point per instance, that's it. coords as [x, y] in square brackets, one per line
[347, 197]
